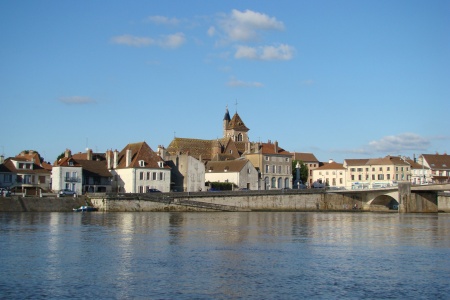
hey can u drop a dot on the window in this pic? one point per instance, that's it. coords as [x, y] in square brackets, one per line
[388, 176]
[360, 169]
[381, 169]
[273, 169]
[141, 163]
[279, 169]
[267, 168]
[8, 178]
[380, 176]
[359, 177]
[141, 174]
[153, 175]
[373, 176]
[161, 176]
[148, 175]
[353, 177]
[352, 169]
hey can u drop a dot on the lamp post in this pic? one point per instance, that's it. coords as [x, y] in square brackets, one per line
[297, 175]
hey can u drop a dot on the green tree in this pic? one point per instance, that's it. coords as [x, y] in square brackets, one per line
[303, 171]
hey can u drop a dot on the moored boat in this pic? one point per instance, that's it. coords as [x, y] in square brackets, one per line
[85, 208]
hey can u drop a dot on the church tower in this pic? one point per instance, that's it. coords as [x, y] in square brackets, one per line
[235, 128]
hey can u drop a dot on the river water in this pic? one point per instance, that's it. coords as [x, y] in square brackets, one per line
[256, 255]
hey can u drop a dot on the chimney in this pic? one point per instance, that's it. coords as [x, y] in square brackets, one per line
[68, 153]
[2, 159]
[128, 158]
[108, 159]
[116, 158]
[276, 146]
[89, 154]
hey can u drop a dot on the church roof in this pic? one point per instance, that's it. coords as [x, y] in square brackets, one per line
[236, 123]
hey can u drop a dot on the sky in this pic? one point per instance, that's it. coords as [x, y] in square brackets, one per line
[339, 79]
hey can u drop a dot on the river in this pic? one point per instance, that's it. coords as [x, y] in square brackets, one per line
[201, 255]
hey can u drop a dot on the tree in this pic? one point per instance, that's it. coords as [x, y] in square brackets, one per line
[303, 171]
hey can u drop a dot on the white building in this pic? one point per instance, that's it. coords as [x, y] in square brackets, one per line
[240, 172]
[137, 168]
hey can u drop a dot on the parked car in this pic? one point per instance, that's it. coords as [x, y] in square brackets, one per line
[67, 192]
[4, 192]
[153, 191]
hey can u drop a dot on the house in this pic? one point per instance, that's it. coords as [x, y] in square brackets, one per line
[376, 172]
[274, 165]
[25, 171]
[331, 174]
[82, 173]
[137, 168]
[420, 174]
[187, 172]
[439, 164]
[240, 172]
[309, 160]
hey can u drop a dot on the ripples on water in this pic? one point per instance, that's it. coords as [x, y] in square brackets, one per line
[267, 255]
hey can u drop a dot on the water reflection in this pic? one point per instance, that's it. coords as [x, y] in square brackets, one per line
[224, 255]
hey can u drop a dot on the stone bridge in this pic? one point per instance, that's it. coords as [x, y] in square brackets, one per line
[408, 198]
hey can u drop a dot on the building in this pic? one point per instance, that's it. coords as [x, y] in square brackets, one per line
[331, 174]
[25, 171]
[439, 164]
[137, 168]
[310, 161]
[231, 146]
[419, 173]
[273, 163]
[376, 172]
[187, 172]
[82, 173]
[240, 172]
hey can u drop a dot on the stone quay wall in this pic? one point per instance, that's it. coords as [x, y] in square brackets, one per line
[40, 204]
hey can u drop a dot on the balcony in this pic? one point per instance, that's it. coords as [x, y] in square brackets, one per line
[72, 179]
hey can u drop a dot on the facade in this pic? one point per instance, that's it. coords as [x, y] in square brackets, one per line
[274, 165]
[25, 171]
[419, 173]
[376, 172]
[439, 164]
[331, 174]
[240, 172]
[310, 161]
[82, 173]
[137, 168]
[188, 173]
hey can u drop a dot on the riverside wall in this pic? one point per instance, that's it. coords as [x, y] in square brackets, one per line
[173, 202]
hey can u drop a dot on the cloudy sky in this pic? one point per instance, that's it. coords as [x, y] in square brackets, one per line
[340, 79]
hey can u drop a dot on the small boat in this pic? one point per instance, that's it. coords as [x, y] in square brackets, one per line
[86, 208]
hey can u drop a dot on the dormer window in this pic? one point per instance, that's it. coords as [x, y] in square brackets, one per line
[160, 164]
[141, 163]
[71, 163]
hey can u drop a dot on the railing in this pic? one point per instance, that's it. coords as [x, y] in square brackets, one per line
[72, 179]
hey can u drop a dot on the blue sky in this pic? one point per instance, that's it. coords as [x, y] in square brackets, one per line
[340, 79]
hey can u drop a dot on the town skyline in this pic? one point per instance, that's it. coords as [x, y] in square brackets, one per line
[339, 80]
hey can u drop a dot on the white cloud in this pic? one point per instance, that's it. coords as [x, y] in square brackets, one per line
[282, 52]
[168, 41]
[163, 20]
[399, 143]
[211, 31]
[246, 25]
[172, 41]
[76, 100]
[233, 82]
[134, 41]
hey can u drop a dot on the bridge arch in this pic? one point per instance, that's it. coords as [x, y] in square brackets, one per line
[382, 200]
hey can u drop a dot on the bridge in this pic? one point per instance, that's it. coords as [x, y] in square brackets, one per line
[405, 197]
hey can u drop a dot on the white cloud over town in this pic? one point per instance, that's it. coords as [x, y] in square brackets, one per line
[162, 20]
[76, 100]
[247, 25]
[281, 52]
[233, 82]
[167, 41]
